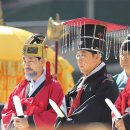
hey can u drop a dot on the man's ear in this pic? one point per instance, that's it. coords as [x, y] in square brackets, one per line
[42, 60]
[99, 55]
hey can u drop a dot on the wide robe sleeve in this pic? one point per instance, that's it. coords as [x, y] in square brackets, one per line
[8, 111]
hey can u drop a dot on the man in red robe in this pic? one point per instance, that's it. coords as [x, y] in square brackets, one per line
[123, 105]
[34, 91]
[123, 101]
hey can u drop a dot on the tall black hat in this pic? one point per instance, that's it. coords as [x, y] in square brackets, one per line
[90, 34]
[93, 37]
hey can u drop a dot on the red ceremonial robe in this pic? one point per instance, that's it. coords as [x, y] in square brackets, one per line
[37, 107]
[123, 100]
[123, 105]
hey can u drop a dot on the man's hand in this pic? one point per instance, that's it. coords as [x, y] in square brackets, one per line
[119, 124]
[21, 123]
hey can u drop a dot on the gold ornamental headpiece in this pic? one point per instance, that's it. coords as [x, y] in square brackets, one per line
[35, 46]
[54, 29]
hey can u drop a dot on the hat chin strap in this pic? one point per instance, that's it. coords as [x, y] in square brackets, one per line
[48, 75]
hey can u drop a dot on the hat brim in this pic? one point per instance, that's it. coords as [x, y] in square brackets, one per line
[91, 50]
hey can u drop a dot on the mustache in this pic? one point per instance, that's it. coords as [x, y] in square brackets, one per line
[28, 68]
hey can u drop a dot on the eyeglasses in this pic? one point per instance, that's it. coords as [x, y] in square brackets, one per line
[80, 56]
[29, 61]
[125, 55]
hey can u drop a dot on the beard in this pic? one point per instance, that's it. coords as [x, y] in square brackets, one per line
[30, 76]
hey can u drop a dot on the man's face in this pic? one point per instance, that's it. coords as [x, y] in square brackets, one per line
[33, 67]
[125, 60]
[87, 61]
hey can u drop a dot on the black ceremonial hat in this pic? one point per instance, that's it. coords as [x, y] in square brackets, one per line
[93, 37]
